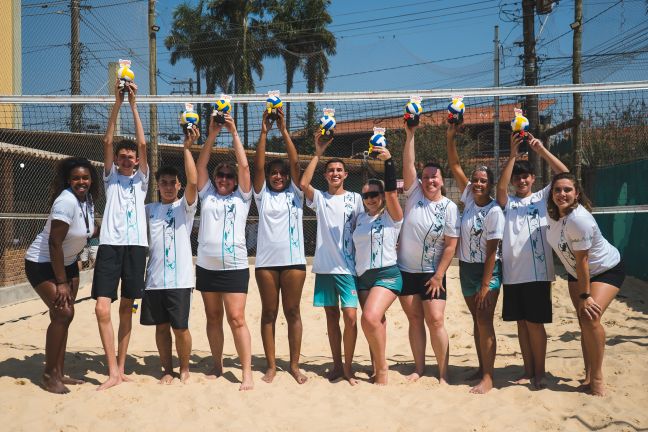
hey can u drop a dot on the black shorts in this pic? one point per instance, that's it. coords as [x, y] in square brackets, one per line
[119, 262]
[529, 301]
[615, 276]
[223, 281]
[37, 273]
[282, 268]
[164, 306]
[414, 283]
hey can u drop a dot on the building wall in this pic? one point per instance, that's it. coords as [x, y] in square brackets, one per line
[11, 64]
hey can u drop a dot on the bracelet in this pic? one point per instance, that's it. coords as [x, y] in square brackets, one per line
[585, 296]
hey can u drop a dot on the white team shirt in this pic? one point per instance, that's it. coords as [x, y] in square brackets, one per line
[375, 239]
[124, 218]
[221, 238]
[336, 218]
[170, 263]
[526, 255]
[68, 209]
[578, 231]
[425, 226]
[280, 240]
[478, 225]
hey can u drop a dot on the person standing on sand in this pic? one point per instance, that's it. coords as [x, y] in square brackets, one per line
[169, 271]
[334, 262]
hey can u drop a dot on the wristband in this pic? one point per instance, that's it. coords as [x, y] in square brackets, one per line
[61, 283]
[390, 175]
[584, 296]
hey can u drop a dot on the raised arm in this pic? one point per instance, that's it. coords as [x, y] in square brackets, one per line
[139, 130]
[205, 153]
[409, 157]
[110, 131]
[505, 176]
[391, 194]
[556, 165]
[259, 155]
[453, 158]
[241, 158]
[191, 191]
[307, 176]
[293, 157]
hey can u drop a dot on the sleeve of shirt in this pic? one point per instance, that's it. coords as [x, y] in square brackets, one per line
[258, 197]
[202, 193]
[466, 196]
[580, 232]
[246, 196]
[495, 223]
[317, 196]
[107, 178]
[190, 209]
[359, 206]
[543, 193]
[452, 223]
[64, 210]
[416, 185]
[144, 178]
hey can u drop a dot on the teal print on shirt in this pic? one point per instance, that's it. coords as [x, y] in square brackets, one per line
[170, 264]
[537, 243]
[564, 249]
[476, 232]
[347, 234]
[293, 226]
[377, 239]
[131, 212]
[434, 233]
[228, 249]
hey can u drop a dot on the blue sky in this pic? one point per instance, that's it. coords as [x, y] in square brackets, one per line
[421, 44]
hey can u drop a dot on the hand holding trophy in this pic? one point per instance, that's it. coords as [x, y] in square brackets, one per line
[413, 110]
[189, 119]
[221, 107]
[327, 123]
[273, 103]
[456, 110]
[520, 125]
[125, 75]
[376, 142]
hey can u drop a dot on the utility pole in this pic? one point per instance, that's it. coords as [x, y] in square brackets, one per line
[75, 65]
[577, 139]
[496, 113]
[153, 145]
[531, 78]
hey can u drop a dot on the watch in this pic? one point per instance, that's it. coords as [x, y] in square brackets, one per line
[585, 296]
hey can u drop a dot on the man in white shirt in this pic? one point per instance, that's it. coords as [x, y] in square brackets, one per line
[334, 264]
[123, 242]
[169, 273]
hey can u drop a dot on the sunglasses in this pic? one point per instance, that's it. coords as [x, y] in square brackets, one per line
[372, 194]
[229, 176]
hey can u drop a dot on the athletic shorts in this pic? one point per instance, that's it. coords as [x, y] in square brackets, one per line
[615, 276]
[37, 273]
[470, 276]
[529, 301]
[119, 262]
[414, 283]
[282, 268]
[386, 277]
[330, 287]
[222, 281]
[169, 305]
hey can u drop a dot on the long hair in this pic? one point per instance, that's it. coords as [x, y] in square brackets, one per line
[61, 180]
[582, 199]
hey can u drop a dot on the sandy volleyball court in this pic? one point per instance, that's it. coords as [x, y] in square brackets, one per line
[144, 405]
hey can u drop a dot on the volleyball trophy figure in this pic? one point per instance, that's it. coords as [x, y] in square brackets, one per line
[189, 118]
[273, 103]
[520, 126]
[413, 111]
[125, 75]
[327, 123]
[221, 107]
[456, 110]
[377, 140]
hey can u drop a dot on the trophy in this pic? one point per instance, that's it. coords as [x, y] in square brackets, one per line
[189, 118]
[413, 110]
[456, 110]
[377, 140]
[222, 106]
[520, 125]
[125, 75]
[327, 123]
[273, 103]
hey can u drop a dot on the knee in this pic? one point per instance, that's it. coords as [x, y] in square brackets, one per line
[350, 318]
[214, 317]
[292, 314]
[63, 316]
[436, 322]
[590, 324]
[484, 320]
[268, 316]
[163, 329]
[332, 314]
[236, 321]
[415, 318]
[102, 311]
[371, 321]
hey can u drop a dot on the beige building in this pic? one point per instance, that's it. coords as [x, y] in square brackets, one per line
[11, 64]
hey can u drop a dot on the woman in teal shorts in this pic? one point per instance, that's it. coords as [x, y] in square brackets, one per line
[379, 279]
[482, 229]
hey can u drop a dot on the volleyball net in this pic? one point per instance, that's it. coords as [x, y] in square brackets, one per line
[37, 131]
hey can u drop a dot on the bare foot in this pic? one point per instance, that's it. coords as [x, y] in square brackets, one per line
[539, 382]
[523, 380]
[349, 375]
[483, 387]
[381, 377]
[247, 383]
[269, 375]
[597, 388]
[71, 381]
[53, 384]
[443, 380]
[111, 382]
[125, 378]
[184, 376]
[413, 377]
[167, 378]
[215, 372]
[298, 375]
[336, 373]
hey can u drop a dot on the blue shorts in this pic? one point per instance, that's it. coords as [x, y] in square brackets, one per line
[330, 287]
[386, 277]
[470, 276]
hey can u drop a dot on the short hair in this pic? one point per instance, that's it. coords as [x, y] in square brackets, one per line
[334, 160]
[552, 208]
[227, 165]
[167, 170]
[488, 171]
[126, 144]
[522, 167]
[282, 163]
[433, 164]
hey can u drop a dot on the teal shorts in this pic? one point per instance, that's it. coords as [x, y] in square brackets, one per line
[330, 287]
[386, 277]
[470, 276]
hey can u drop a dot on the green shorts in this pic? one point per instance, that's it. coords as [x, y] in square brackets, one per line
[386, 277]
[330, 287]
[470, 276]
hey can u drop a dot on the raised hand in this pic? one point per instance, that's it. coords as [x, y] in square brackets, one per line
[191, 136]
[230, 124]
[266, 123]
[383, 153]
